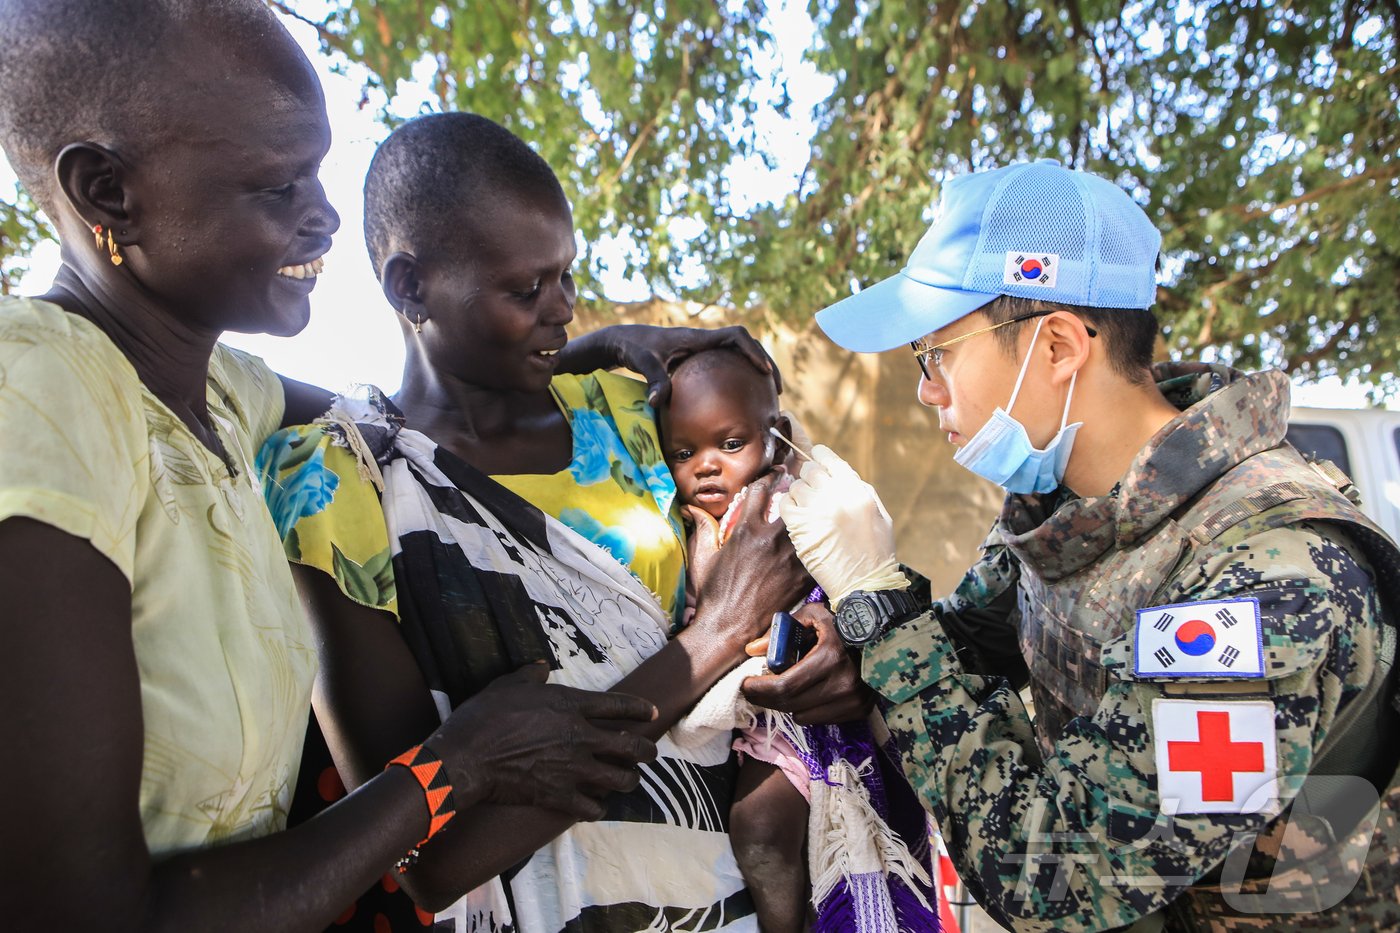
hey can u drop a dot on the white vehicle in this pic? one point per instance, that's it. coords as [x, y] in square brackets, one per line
[1365, 445]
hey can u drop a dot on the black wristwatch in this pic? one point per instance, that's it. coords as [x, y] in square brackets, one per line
[864, 616]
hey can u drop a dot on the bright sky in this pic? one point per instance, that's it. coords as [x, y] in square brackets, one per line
[352, 336]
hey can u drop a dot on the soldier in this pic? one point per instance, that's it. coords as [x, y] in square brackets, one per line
[1205, 619]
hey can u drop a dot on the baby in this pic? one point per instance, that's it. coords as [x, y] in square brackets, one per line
[716, 436]
[868, 854]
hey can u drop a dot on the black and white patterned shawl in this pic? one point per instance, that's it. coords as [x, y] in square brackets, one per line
[487, 582]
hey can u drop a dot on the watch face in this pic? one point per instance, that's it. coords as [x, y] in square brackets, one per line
[858, 621]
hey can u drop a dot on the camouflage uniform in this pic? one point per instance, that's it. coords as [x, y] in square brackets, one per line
[1057, 824]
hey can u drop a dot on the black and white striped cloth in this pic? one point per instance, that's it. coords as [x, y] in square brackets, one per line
[486, 583]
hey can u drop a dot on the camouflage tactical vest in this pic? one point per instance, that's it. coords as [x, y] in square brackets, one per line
[1066, 622]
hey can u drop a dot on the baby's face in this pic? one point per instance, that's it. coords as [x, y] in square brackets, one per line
[715, 433]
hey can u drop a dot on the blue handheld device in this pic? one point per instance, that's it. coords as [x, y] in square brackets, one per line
[787, 640]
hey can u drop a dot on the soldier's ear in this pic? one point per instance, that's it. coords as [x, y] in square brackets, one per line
[1069, 345]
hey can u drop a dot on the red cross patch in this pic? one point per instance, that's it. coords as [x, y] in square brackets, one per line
[1216, 757]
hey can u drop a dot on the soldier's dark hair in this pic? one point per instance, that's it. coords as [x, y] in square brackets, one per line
[439, 171]
[84, 71]
[1128, 334]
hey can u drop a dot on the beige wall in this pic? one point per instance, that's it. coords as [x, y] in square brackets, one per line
[863, 406]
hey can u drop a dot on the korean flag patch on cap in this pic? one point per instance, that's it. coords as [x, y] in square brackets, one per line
[1024, 267]
[1216, 638]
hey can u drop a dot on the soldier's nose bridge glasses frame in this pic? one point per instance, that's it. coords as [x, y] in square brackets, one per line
[923, 353]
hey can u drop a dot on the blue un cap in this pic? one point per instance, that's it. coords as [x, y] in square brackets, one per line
[1031, 230]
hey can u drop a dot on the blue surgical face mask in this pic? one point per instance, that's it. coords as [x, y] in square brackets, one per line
[1001, 449]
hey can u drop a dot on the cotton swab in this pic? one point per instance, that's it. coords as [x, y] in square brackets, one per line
[800, 452]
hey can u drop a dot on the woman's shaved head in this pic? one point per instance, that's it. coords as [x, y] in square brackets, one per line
[125, 74]
[443, 178]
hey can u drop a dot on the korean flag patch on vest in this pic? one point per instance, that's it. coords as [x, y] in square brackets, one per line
[1219, 638]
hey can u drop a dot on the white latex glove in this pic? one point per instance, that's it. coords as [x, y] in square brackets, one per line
[840, 529]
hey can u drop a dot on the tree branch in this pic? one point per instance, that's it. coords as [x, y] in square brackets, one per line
[1328, 347]
[1380, 173]
[329, 39]
[706, 48]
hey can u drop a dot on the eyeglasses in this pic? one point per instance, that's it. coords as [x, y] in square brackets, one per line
[923, 353]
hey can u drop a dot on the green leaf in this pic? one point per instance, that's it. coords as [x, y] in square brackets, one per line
[621, 477]
[359, 582]
[301, 449]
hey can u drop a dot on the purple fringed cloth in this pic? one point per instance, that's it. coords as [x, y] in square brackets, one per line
[870, 855]
[873, 901]
[870, 859]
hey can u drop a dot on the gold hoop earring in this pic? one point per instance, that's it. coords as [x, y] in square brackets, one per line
[418, 324]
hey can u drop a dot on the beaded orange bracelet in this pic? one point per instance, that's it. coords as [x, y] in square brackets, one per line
[428, 770]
